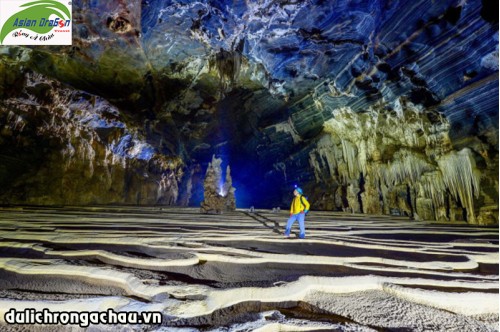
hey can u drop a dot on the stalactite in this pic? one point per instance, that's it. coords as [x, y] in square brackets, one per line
[404, 168]
[405, 154]
[316, 166]
[461, 178]
[67, 153]
[431, 186]
[325, 156]
[362, 156]
[16, 122]
[228, 66]
[350, 157]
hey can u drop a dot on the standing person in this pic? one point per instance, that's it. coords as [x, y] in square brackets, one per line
[298, 210]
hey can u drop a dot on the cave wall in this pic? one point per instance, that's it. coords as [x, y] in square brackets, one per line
[60, 146]
[385, 107]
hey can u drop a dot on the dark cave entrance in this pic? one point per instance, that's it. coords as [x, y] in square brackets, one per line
[236, 131]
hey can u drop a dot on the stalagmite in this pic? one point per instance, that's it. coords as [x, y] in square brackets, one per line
[371, 198]
[218, 196]
[228, 191]
[352, 197]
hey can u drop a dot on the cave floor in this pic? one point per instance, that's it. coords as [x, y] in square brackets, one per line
[236, 271]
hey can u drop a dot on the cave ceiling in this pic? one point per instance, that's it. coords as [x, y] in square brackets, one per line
[372, 106]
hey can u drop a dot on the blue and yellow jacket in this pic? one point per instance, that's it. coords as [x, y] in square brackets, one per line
[298, 206]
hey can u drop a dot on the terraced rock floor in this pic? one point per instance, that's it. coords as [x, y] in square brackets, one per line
[236, 272]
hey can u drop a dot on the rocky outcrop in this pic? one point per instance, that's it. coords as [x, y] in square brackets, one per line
[218, 195]
[62, 146]
[398, 162]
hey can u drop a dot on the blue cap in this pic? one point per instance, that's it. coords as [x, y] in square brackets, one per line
[299, 190]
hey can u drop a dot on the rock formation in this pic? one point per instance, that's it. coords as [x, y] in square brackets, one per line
[233, 272]
[373, 107]
[66, 147]
[218, 196]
